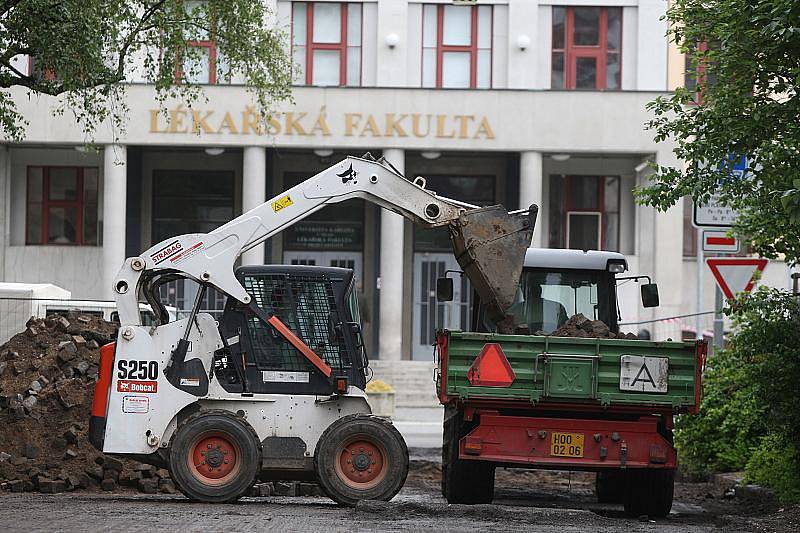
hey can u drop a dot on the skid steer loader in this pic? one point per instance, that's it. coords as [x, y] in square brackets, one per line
[275, 389]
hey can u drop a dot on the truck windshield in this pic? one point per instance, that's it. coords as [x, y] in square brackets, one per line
[547, 298]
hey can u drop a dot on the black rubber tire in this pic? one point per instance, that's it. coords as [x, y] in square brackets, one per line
[610, 486]
[237, 431]
[372, 429]
[649, 492]
[468, 482]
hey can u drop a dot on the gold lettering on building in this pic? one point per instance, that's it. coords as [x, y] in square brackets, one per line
[371, 126]
[441, 120]
[228, 124]
[199, 119]
[293, 124]
[351, 121]
[393, 125]
[209, 122]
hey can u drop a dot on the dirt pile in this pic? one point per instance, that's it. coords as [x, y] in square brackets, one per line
[580, 326]
[47, 378]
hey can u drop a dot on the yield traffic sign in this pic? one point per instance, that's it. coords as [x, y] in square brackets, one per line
[735, 274]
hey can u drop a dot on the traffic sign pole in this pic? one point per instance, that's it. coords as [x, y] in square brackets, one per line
[700, 270]
[719, 324]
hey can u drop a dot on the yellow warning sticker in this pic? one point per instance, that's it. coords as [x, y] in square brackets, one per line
[282, 203]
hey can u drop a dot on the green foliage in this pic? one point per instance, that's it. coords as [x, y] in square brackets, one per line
[731, 419]
[84, 49]
[749, 412]
[776, 464]
[748, 105]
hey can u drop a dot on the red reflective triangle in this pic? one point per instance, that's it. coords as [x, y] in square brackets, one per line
[491, 368]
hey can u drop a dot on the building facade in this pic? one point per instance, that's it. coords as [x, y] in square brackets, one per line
[495, 101]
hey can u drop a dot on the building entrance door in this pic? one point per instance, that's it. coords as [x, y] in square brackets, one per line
[429, 314]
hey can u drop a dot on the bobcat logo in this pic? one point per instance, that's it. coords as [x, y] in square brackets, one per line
[348, 175]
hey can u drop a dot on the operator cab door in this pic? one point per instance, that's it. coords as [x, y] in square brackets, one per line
[314, 306]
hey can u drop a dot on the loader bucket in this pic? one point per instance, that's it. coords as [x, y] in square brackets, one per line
[489, 244]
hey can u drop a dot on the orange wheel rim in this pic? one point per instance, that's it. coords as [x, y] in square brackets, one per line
[214, 458]
[361, 462]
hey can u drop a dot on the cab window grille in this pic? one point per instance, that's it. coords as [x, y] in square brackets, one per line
[308, 307]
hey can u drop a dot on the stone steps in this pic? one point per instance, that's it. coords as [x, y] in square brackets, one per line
[411, 380]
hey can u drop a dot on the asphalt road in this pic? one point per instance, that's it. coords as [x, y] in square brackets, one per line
[559, 506]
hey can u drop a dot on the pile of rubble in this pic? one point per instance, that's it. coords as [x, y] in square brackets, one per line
[580, 326]
[47, 378]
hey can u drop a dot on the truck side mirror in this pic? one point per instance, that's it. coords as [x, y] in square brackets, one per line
[650, 295]
[444, 289]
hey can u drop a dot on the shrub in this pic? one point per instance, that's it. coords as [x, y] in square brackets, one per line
[776, 464]
[749, 415]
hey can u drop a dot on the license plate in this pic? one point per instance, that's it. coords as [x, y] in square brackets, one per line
[567, 444]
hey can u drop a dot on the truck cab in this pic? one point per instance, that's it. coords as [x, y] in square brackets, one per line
[558, 284]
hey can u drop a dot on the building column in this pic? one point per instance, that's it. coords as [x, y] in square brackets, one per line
[115, 179]
[530, 189]
[667, 254]
[254, 193]
[390, 337]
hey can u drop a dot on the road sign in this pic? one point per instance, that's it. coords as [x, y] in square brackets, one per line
[735, 274]
[719, 241]
[713, 214]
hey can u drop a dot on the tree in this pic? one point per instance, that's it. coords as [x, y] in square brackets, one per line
[745, 56]
[84, 50]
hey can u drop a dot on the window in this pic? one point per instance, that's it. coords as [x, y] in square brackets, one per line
[457, 46]
[190, 201]
[547, 298]
[689, 231]
[62, 205]
[697, 77]
[205, 63]
[586, 48]
[584, 212]
[326, 43]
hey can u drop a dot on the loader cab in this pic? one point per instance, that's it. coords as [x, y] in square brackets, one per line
[557, 284]
[317, 304]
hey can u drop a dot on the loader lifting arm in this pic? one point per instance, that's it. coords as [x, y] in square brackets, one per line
[489, 243]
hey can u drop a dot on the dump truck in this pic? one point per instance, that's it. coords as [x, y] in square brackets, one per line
[517, 396]
[274, 387]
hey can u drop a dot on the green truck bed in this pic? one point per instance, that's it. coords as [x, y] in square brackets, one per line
[605, 372]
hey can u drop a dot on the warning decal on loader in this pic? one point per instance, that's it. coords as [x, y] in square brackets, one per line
[282, 203]
[643, 374]
[135, 404]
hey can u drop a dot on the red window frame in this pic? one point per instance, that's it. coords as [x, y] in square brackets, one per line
[472, 48]
[699, 75]
[570, 208]
[341, 46]
[46, 203]
[571, 52]
[211, 46]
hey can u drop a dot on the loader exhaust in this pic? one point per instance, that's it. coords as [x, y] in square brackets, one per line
[490, 244]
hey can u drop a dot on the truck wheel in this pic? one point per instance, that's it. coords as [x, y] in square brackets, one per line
[214, 457]
[649, 492]
[361, 457]
[467, 482]
[609, 487]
